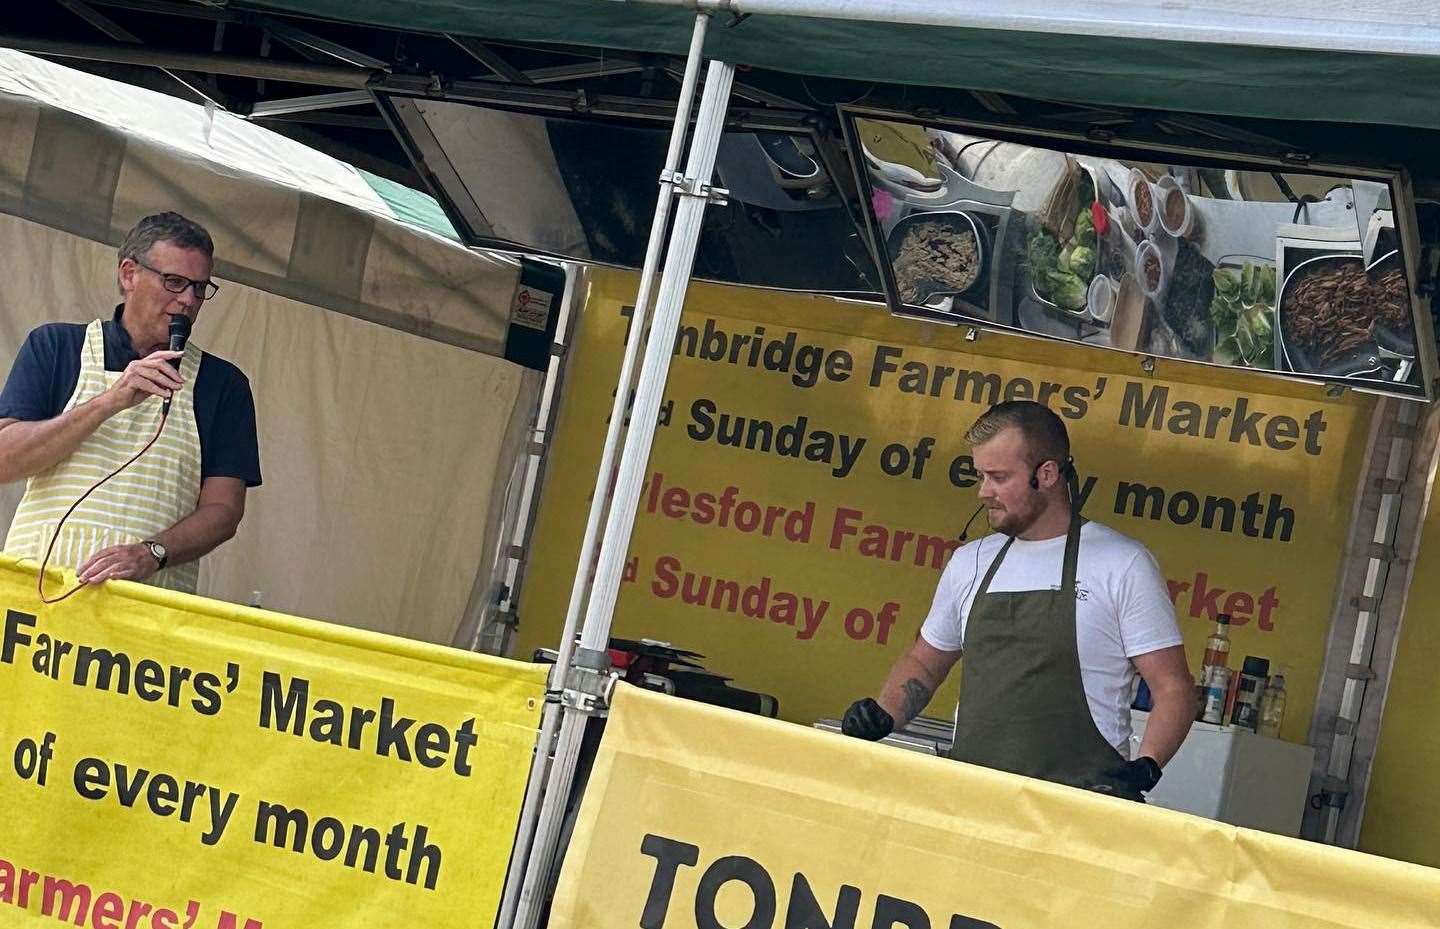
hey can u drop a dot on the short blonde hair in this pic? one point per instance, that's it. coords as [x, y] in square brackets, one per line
[1046, 438]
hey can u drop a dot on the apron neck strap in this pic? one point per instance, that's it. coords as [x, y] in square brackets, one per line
[1067, 572]
[1072, 552]
[994, 566]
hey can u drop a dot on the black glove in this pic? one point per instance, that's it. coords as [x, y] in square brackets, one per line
[867, 720]
[1141, 775]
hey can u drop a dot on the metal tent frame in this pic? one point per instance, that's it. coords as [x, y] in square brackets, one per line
[581, 680]
[582, 676]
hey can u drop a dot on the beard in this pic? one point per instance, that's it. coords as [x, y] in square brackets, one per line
[1013, 521]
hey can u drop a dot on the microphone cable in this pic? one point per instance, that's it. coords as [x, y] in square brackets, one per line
[179, 335]
[49, 549]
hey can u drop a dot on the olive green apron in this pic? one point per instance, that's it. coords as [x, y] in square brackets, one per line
[1022, 702]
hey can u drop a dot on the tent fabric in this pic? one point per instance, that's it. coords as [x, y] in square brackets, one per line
[411, 206]
[91, 156]
[1249, 81]
[387, 456]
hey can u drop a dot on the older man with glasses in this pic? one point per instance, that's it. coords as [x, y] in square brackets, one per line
[81, 400]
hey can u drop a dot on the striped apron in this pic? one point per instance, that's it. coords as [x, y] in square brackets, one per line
[145, 499]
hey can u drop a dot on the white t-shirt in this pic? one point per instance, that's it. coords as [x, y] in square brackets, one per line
[1122, 609]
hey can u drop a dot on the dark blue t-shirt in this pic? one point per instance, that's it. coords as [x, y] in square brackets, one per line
[48, 367]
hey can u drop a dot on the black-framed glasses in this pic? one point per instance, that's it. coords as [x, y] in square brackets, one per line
[179, 283]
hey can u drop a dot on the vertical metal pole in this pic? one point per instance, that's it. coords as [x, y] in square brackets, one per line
[679, 260]
[639, 320]
[1370, 604]
[648, 394]
[498, 590]
[537, 462]
[599, 502]
[1379, 610]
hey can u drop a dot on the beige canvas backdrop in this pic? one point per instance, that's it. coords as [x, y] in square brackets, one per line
[390, 433]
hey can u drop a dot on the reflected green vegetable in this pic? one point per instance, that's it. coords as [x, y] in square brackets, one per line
[1042, 253]
[1227, 353]
[1061, 271]
[1067, 290]
[1085, 229]
[1244, 314]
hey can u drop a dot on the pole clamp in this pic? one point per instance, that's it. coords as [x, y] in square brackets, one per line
[589, 683]
[1334, 792]
[693, 187]
[1356, 671]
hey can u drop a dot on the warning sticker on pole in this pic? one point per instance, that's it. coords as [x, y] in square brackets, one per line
[531, 308]
[168, 761]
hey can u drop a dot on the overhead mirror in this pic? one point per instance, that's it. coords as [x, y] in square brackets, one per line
[585, 189]
[1302, 273]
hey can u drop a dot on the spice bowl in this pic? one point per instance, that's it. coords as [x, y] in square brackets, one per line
[1172, 206]
[1151, 269]
[1143, 202]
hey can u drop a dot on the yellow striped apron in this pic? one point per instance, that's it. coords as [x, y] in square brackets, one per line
[145, 499]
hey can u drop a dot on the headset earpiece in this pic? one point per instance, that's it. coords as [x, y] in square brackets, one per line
[1067, 471]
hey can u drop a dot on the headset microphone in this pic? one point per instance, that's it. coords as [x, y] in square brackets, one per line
[965, 533]
[1067, 471]
[179, 335]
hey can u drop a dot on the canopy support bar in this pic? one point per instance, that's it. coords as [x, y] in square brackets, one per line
[634, 461]
[549, 787]
[1321, 25]
[233, 65]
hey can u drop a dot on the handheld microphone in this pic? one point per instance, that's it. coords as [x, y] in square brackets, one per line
[179, 335]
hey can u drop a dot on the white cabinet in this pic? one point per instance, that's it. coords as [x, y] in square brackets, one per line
[1235, 776]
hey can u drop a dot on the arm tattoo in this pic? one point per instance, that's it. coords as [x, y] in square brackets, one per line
[917, 696]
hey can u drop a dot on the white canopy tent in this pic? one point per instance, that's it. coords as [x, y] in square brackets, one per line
[390, 423]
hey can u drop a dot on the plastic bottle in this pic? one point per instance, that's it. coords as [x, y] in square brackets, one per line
[1272, 707]
[1217, 688]
[1217, 657]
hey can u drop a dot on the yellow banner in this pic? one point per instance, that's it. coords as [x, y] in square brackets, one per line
[808, 483]
[699, 818]
[170, 762]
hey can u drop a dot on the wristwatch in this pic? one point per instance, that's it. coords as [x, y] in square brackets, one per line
[158, 552]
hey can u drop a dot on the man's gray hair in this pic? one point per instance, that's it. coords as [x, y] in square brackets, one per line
[165, 227]
[1046, 438]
